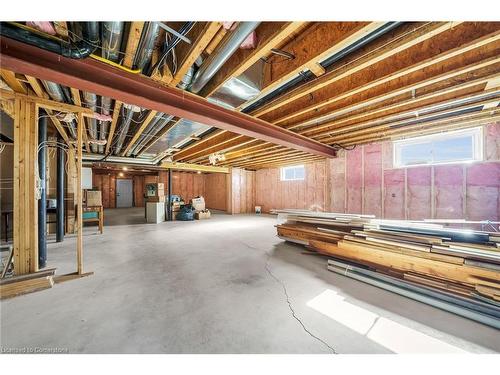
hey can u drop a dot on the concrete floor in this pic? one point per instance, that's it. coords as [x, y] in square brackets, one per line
[220, 286]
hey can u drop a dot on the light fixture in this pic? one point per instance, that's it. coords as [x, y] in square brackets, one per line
[125, 168]
[120, 174]
[215, 157]
[199, 172]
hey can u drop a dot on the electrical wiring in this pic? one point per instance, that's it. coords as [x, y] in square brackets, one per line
[338, 146]
[184, 30]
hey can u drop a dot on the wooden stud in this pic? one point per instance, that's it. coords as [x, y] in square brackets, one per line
[189, 53]
[418, 34]
[133, 39]
[25, 200]
[270, 35]
[112, 128]
[194, 167]
[79, 241]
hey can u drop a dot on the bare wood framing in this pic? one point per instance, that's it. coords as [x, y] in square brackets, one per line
[145, 123]
[204, 37]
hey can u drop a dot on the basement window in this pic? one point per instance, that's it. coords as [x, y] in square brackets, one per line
[294, 173]
[453, 147]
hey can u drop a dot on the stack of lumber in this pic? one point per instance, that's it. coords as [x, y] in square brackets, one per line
[22, 284]
[417, 258]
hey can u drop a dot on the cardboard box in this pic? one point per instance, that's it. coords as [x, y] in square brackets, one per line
[198, 203]
[156, 199]
[202, 215]
[155, 190]
[93, 198]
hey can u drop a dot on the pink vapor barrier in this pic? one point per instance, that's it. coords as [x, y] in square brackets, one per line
[419, 192]
[354, 180]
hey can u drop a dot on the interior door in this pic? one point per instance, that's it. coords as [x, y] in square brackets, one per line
[124, 193]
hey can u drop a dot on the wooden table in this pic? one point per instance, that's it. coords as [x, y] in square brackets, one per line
[99, 219]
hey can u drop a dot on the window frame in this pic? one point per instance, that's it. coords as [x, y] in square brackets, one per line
[284, 169]
[477, 147]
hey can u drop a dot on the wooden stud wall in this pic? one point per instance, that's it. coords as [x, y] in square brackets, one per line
[25, 202]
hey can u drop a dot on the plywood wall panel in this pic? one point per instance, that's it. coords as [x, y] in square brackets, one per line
[272, 193]
[215, 191]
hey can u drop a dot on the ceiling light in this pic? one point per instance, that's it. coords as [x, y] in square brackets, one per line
[120, 174]
[125, 168]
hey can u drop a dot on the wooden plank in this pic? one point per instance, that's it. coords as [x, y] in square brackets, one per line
[194, 167]
[335, 127]
[151, 115]
[269, 35]
[112, 128]
[400, 40]
[189, 53]
[317, 42]
[418, 65]
[77, 100]
[428, 82]
[11, 80]
[133, 39]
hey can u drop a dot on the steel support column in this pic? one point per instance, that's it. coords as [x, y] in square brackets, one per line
[60, 194]
[42, 202]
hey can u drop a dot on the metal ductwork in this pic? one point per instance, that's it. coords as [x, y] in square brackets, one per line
[124, 129]
[90, 101]
[111, 36]
[224, 51]
[56, 93]
[77, 50]
[146, 44]
[151, 132]
[142, 57]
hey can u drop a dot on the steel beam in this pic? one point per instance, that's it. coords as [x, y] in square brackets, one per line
[103, 79]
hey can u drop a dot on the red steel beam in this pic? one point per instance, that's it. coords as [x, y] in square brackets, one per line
[103, 79]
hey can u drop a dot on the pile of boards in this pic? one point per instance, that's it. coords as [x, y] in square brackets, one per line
[454, 269]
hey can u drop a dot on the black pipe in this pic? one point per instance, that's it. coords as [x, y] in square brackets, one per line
[42, 203]
[77, 50]
[169, 208]
[60, 194]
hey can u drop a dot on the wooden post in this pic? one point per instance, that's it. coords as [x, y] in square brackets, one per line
[25, 199]
[79, 242]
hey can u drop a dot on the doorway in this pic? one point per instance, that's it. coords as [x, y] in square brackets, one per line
[124, 193]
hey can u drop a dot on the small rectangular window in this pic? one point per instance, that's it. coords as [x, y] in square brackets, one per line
[294, 173]
[453, 147]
